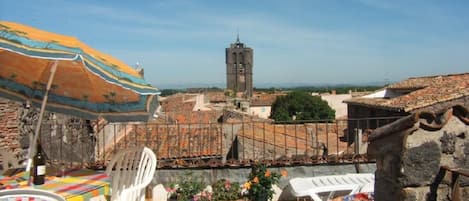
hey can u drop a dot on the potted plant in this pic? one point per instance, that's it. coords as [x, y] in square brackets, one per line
[260, 181]
[223, 189]
[186, 188]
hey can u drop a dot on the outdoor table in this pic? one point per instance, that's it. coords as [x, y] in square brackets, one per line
[74, 185]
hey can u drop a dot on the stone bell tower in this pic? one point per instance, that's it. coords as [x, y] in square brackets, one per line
[239, 62]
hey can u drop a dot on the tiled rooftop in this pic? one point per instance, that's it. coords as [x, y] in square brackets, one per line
[189, 141]
[216, 97]
[180, 108]
[176, 141]
[299, 138]
[264, 99]
[419, 92]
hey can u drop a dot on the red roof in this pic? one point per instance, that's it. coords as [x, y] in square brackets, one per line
[420, 92]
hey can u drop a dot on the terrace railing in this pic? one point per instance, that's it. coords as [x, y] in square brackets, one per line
[217, 144]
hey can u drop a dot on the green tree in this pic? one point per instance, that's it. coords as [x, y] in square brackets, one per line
[303, 106]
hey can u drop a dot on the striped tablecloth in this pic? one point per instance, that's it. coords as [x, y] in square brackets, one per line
[76, 185]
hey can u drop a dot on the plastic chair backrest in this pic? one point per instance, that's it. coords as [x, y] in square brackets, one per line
[29, 194]
[131, 170]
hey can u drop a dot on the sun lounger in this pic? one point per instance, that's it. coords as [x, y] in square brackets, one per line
[323, 187]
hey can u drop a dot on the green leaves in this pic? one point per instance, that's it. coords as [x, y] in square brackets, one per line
[301, 106]
[223, 189]
[260, 181]
[188, 186]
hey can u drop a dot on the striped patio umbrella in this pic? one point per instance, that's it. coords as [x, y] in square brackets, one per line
[62, 74]
[87, 83]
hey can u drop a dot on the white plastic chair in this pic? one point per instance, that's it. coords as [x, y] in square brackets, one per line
[131, 171]
[29, 194]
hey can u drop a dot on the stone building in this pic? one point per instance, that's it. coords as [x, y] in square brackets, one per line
[417, 156]
[239, 62]
[430, 93]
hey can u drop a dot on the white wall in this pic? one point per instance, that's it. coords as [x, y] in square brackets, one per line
[260, 111]
[336, 103]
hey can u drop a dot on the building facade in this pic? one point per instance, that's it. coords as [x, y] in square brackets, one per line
[239, 62]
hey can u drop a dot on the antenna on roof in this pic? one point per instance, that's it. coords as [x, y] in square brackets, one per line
[237, 36]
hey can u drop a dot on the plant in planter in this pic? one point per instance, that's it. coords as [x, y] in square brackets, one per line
[260, 181]
[186, 187]
[223, 189]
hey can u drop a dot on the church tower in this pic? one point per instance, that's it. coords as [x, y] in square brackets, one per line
[239, 63]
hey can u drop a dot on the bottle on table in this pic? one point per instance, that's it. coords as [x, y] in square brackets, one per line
[39, 166]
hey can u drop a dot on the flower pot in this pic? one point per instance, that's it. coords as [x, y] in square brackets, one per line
[262, 196]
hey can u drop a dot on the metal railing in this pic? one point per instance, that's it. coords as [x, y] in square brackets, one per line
[214, 144]
[242, 143]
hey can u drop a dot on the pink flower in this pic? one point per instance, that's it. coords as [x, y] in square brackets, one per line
[227, 185]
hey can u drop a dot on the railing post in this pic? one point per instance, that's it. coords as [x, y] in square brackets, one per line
[327, 140]
[210, 138]
[339, 158]
[285, 139]
[317, 140]
[244, 136]
[263, 144]
[221, 139]
[232, 140]
[167, 139]
[189, 136]
[275, 143]
[179, 140]
[296, 142]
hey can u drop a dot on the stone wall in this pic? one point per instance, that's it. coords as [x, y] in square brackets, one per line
[63, 138]
[410, 152]
[9, 131]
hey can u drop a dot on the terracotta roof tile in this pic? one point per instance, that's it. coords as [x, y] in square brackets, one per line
[264, 99]
[420, 92]
[176, 141]
[216, 97]
[298, 137]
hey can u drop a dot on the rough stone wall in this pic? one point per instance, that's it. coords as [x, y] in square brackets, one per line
[409, 154]
[63, 138]
[9, 131]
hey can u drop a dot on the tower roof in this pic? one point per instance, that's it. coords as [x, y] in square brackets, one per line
[238, 43]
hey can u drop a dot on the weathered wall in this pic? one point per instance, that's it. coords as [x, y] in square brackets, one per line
[9, 130]
[410, 152]
[64, 138]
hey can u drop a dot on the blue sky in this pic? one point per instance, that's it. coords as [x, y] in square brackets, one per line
[295, 42]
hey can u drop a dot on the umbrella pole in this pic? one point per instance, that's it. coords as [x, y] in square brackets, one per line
[32, 145]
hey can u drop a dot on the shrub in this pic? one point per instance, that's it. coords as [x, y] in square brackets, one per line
[186, 187]
[223, 189]
[260, 181]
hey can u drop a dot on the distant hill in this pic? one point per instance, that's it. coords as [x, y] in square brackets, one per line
[286, 85]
